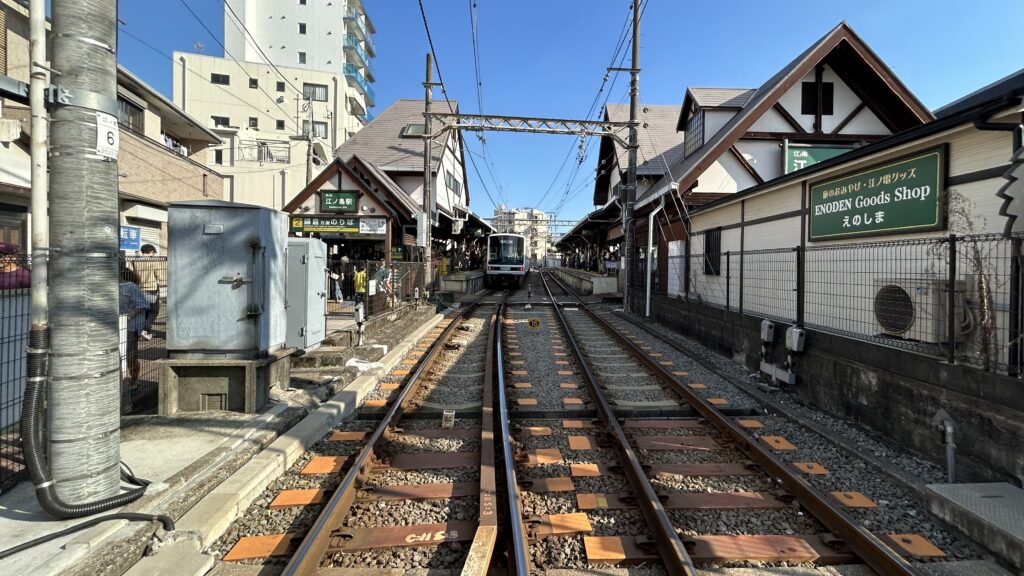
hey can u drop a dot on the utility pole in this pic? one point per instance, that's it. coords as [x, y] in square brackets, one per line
[85, 388]
[428, 194]
[628, 228]
[39, 337]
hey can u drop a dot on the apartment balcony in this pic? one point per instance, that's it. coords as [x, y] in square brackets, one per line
[358, 81]
[353, 48]
[354, 22]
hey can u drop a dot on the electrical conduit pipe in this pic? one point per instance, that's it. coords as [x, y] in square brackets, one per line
[650, 248]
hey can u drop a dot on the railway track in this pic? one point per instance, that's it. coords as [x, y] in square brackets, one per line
[700, 469]
[410, 482]
[574, 446]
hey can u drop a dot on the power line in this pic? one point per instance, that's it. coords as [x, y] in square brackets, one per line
[194, 73]
[444, 92]
[245, 30]
[235, 60]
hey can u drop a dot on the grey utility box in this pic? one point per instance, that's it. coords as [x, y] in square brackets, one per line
[225, 279]
[306, 295]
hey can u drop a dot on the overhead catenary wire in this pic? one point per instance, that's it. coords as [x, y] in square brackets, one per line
[227, 53]
[444, 92]
[477, 67]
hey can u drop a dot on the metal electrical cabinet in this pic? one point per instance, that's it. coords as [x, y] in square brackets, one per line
[306, 293]
[225, 279]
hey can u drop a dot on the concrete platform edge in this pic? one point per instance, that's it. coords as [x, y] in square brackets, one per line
[212, 515]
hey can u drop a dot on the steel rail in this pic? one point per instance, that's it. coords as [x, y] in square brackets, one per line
[480, 551]
[868, 547]
[671, 548]
[306, 560]
[520, 558]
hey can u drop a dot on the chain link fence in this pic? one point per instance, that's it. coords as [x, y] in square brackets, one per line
[957, 298]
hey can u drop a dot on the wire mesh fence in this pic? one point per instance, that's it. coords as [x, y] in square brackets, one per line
[381, 286]
[14, 329]
[957, 298]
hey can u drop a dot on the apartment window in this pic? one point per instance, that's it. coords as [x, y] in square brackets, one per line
[218, 156]
[317, 92]
[254, 83]
[223, 79]
[302, 2]
[254, 122]
[129, 115]
[302, 57]
[713, 252]
[280, 124]
[280, 86]
[302, 27]
[412, 131]
[809, 98]
[221, 121]
[319, 129]
[694, 137]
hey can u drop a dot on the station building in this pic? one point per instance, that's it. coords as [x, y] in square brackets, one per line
[886, 232]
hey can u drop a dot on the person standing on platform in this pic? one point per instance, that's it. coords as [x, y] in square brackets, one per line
[360, 284]
[151, 280]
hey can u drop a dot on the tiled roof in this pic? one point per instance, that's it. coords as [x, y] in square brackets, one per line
[380, 142]
[721, 97]
[660, 144]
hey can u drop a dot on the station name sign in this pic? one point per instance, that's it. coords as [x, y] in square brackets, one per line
[338, 201]
[906, 195]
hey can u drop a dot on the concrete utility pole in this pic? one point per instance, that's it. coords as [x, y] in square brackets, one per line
[628, 228]
[428, 189]
[85, 388]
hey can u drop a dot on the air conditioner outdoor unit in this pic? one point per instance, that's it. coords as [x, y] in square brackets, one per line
[915, 308]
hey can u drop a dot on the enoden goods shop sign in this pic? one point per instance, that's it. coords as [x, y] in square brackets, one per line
[906, 195]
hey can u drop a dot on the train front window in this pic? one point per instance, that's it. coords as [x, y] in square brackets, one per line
[505, 250]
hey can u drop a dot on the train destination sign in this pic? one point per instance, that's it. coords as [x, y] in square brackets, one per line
[338, 201]
[906, 195]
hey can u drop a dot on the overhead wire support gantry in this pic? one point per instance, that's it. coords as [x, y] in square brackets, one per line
[491, 123]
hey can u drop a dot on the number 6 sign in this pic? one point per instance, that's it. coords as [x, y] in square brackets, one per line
[108, 135]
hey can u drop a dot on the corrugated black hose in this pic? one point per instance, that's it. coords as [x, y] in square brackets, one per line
[39, 471]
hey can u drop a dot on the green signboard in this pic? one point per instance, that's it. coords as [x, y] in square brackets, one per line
[895, 198]
[798, 157]
[338, 201]
[324, 224]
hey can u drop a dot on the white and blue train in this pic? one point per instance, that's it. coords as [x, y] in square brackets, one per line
[507, 262]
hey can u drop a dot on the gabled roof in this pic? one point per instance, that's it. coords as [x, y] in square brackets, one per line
[713, 98]
[381, 143]
[852, 59]
[661, 145]
[400, 197]
[370, 181]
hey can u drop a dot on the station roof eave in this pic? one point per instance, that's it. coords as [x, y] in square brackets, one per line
[602, 219]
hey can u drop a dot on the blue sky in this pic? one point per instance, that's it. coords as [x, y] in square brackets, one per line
[547, 58]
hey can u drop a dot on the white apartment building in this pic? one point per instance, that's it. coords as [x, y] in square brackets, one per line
[293, 86]
[534, 224]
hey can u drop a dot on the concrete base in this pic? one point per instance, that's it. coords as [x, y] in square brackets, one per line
[587, 283]
[991, 514]
[463, 282]
[209, 384]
